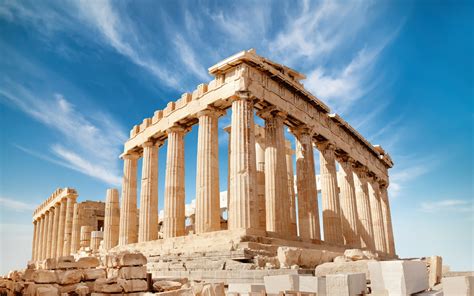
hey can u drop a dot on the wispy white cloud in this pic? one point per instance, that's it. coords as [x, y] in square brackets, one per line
[15, 205]
[453, 205]
[189, 58]
[120, 34]
[91, 144]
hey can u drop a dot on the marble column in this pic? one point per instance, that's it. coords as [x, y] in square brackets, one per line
[387, 219]
[148, 225]
[207, 174]
[76, 229]
[308, 211]
[35, 236]
[243, 171]
[96, 238]
[365, 226]
[112, 219]
[71, 200]
[348, 202]
[47, 231]
[228, 130]
[86, 236]
[292, 226]
[128, 207]
[50, 233]
[260, 165]
[54, 244]
[41, 238]
[37, 239]
[377, 216]
[330, 194]
[174, 208]
[61, 227]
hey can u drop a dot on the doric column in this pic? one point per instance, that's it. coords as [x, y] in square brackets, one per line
[365, 226]
[33, 243]
[112, 219]
[54, 244]
[330, 194]
[377, 216]
[348, 202]
[174, 219]
[243, 171]
[61, 227]
[37, 239]
[148, 225]
[128, 207]
[228, 130]
[71, 200]
[387, 219]
[47, 231]
[308, 211]
[260, 164]
[76, 229]
[293, 228]
[207, 175]
[96, 238]
[86, 236]
[276, 178]
[41, 238]
[50, 233]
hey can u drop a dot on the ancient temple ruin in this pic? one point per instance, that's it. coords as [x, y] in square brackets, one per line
[270, 207]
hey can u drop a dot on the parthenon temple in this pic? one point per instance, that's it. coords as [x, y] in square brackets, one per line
[272, 194]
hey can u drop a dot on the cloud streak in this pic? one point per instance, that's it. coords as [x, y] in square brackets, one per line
[15, 205]
[454, 205]
[91, 145]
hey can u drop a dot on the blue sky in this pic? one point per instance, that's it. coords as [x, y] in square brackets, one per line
[75, 76]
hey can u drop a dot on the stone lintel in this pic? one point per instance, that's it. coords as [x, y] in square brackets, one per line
[55, 198]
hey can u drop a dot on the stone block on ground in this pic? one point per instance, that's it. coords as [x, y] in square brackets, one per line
[351, 284]
[88, 262]
[313, 284]
[44, 276]
[277, 283]
[343, 267]
[398, 277]
[132, 272]
[65, 259]
[47, 291]
[163, 286]
[133, 285]
[131, 259]
[82, 290]
[93, 274]
[435, 267]
[244, 289]
[67, 277]
[458, 285]
[354, 254]
[107, 286]
[430, 293]
[180, 292]
[50, 263]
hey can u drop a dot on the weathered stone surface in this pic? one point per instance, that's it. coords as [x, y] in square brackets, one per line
[66, 259]
[180, 292]
[277, 283]
[351, 284]
[354, 254]
[47, 291]
[93, 274]
[163, 286]
[87, 262]
[67, 288]
[458, 285]
[69, 277]
[398, 277]
[44, 277]
[244, 289]
[82, 290]
[131, 259]
[343, 267]
[132, 272]
[435, 264]
[133, 285]
[107, 286]
[313, 284]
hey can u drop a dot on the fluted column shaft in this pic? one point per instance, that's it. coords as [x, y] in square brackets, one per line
[243, 172]
[50, 233]
[41, 238]
[348, 201]
[276, 177]
[148, 225]
[112, 219]
[35, 236]
[37, 239]
[61, 227]
[365, 226]
[207, 174]
[76, 229]
[71, 200]
[308, 212]
[293, 228]
[47, 230]
[377, 216]
[387, 219]
[128, 207]
[174, 210]
[260, 164]
[330, 195]
[54, 243]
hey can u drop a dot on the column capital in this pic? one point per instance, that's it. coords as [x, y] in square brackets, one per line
[346, 159]
[325, 146]
[242, 95]
[177, 128]
[271, 112]
[211, 111]
[361, 171]
[383, 184]
[302, 130]
[130, 155]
